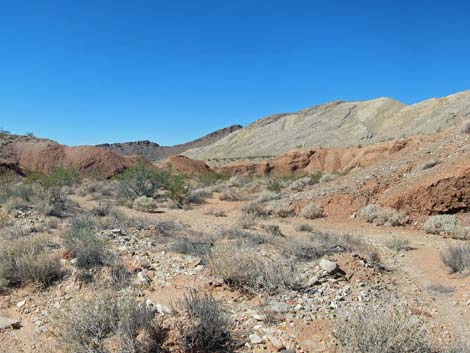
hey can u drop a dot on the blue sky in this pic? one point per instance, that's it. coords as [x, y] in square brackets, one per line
[87, 72]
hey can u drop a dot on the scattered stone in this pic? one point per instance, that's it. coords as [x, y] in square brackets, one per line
[328, 266]
[276, 343]
[20, 304]
[279, 307]
[255, 339]
[6, 322]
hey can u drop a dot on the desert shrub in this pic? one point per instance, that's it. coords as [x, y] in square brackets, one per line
[200, 247]
[327, 177]
[27, 260]
[87, 325]
[59, 177]
[118, 219]
[397, 244]
[243, 236]
[255, 208]
[178, 189]
[144, 204]
[82, 241]
[212, 178]
[141, 181]
[457, 257]
[266, 197]
[301, 183]
[231, 195]
[275, 185]
[383, 215]
[217, 213]
[207, 328]
[280, 208]
[316, 245]
[170, 229]
[385, 329]
[246, 220]
[239, 181]
[56, 205]
[439, 289]
[198, 196]
[446, 225]
[311, 211]
[247, 270]
[304, 228]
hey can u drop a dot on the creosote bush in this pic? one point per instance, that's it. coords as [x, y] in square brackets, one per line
[27, 260]
[385, 329]
[457, 257]
[141, 181]
[82, 241]
[207, 328]
[383, 215]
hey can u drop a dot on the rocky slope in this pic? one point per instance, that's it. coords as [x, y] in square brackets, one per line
[23, 154]
[339, 124]
[154, 152]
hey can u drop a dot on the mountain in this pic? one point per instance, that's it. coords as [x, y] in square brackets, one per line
[338, 124]
[154, 152]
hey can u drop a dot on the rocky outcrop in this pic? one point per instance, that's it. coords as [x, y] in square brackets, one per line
[185, 165]
[308, 161]
[338, 124]
[25, 154]
[440, 194]
[154, 152]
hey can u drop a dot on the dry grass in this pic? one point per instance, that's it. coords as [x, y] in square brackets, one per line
[247, 270]
[27, 260]
[446, 225]
[145, 204]
[90, 324]
[207, 328]
[457, 258]
[397, 244]
[82, 241]
[385, 329]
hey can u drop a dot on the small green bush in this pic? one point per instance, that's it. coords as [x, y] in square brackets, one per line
[178, 189]
[82, 241]
[59, 177]
[212, 178]
[141, 181]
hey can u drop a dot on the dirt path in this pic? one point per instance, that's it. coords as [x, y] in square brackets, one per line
[421, 266]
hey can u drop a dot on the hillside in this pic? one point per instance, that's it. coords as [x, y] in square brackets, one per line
[23, 154]
[338, 124]
[154, 152]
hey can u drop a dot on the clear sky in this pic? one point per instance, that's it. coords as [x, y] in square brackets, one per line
[94, 71]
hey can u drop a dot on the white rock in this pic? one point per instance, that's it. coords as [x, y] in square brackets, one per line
[255, 339]
[328, 266]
